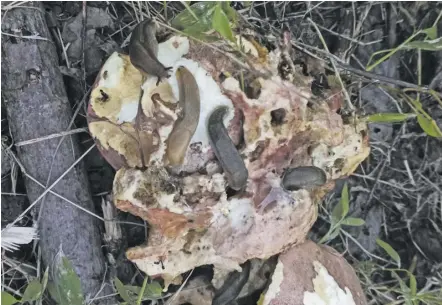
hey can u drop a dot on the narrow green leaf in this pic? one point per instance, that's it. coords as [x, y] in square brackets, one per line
[413, 285]
[221, 24]
[431, 32]
[402, 284]
[8, 299]
[429, 126]
[351, 221]
[122, 291]
[336, 214]
[331, 234]
[389, 117]
[44, 280]
[427, 45]
[344, 201]
[390, 251]
[231, 13]
[33, 291]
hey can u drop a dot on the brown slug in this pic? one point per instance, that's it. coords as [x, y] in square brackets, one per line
[225, 151]
[185, 125]
[143, 50]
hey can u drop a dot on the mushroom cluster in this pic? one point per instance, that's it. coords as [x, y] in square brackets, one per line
[224, 168]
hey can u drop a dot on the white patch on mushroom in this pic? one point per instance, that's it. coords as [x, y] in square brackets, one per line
[241, 214]
[128, 112]
[172, 49]
[327, 291]
[275, 285]
[113, 69]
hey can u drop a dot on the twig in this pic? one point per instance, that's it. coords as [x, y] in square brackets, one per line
[36, 37]
[350, 106]
[51, 136]
[64, 48]
[24, 172]
[52, 185]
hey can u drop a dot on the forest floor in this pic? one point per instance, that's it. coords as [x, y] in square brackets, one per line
[397, 190]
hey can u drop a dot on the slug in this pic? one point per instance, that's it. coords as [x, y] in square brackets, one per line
[303, 177]
[185, 125]
[225, 151]
[143, 50]
[227, 294]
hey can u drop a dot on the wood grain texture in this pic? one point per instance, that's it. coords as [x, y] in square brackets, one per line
[36, 103]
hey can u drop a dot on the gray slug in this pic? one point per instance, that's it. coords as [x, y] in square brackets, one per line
[143, 50]
[225, 151]
[185, 125]
[303, 177]
[233, 285]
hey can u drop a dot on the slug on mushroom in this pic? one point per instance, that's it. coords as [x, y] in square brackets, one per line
[143, 50]
[303, 177]
[185, 125]
[225, 151]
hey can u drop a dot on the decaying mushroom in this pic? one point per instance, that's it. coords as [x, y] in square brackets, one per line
[310, 274]
[223, 171]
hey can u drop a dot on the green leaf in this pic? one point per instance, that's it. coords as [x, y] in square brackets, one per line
[390, 251]
[122, 291]
[344, 202]
[429, 126]
[33, 291]
[8, 299]
[54, 293]
[203, 11]
[152, 291]
[431, 32]
[351, 221]
[336, 215]
[428, 45]
[389, 117]
[67, 283]
[231, 13]
[44, 280]
[413, 285]
[331, 234]
[341, 209]
[196, 32]
[221, 24]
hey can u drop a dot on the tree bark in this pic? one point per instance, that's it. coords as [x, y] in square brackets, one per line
[37, 105]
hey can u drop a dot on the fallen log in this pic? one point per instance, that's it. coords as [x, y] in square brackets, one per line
[37, 106]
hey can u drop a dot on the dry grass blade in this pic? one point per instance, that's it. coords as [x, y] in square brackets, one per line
[52, 136]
